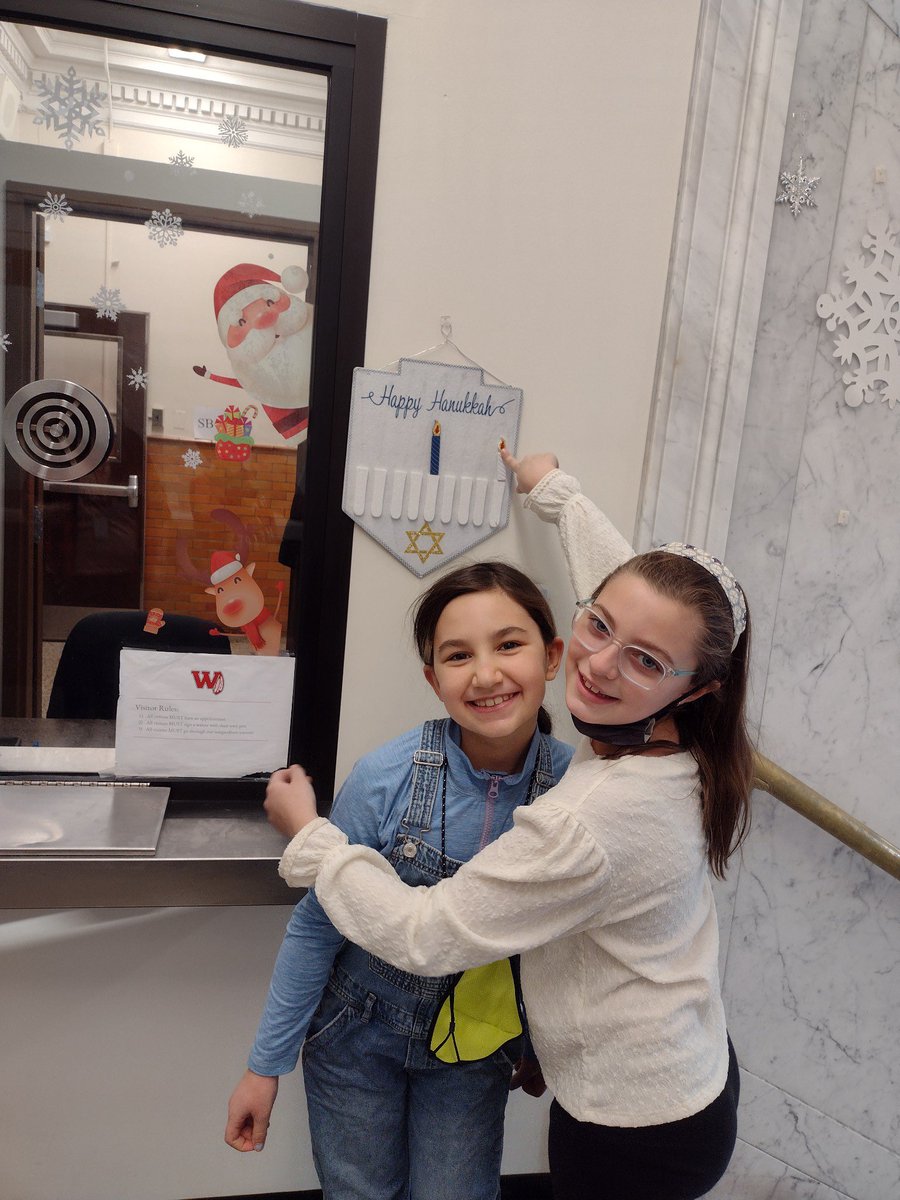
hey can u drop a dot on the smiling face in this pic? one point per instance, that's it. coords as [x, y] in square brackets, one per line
[596, 691]
[489, 668]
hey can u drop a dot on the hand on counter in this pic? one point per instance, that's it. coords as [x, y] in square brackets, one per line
[249, 1109]
[290, 802]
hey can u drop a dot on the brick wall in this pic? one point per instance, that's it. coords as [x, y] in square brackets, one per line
[179, 501]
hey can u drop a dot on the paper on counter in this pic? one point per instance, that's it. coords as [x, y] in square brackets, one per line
[202, 715]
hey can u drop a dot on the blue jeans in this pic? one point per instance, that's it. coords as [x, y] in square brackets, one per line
[389, 1121]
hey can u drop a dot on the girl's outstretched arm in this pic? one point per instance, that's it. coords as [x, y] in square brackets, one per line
[591, 543]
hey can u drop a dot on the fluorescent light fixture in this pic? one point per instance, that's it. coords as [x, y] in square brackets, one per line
[192, 55]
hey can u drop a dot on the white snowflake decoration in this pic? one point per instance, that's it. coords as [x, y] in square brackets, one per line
[233, 131]
[192, 459]
[250, 204]
[870, 312]
[797, 190]
[55, 207]
[108, 303]
[138, 378]
[70, 108]
[182, 163]
[164, 227]
[5, 343]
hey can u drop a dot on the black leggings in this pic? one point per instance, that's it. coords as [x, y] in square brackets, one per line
[680, 1160]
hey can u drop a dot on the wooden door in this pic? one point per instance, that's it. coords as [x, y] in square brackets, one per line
[92, 544]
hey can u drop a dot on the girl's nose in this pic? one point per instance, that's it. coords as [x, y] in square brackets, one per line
[605, 661]
[487, 674]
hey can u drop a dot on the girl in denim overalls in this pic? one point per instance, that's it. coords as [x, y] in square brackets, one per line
[388, 1120]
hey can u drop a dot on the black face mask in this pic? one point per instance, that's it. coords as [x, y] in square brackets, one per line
[636, 733]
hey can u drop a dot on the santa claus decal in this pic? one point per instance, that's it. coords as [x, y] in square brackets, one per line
[266, 330]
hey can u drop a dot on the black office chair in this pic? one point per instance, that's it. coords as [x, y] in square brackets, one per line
[86, 683]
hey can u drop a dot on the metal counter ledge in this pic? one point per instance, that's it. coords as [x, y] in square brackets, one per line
[207, 854]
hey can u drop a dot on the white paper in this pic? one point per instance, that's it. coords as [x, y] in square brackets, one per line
[202, 715]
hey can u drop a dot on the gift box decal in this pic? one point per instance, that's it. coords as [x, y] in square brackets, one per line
[233, 428]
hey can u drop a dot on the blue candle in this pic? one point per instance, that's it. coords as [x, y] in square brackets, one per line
[435, 467]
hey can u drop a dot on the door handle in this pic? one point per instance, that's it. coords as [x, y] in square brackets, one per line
[129, 489]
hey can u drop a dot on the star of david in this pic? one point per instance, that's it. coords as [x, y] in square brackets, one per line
[424, 531]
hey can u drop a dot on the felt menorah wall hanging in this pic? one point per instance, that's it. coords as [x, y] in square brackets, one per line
[424, 476]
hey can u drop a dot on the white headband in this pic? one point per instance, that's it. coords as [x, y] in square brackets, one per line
[726, 580]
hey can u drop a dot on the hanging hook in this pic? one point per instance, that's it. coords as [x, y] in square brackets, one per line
[446, 328]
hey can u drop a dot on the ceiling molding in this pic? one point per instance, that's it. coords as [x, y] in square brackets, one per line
[283, 110]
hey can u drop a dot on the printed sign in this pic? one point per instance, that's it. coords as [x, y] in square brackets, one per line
[202, 715]
[424, 476]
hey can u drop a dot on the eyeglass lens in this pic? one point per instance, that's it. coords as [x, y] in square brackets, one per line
[638, 665]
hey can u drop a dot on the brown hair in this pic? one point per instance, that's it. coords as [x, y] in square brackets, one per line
[481, 577]
[713, 726]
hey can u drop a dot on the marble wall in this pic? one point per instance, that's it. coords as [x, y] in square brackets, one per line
[811, 931]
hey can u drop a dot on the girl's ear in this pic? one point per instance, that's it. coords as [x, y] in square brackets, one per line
[704, 691]
[554, 657]
[429, 673]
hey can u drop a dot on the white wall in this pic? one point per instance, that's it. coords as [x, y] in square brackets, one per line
[527, 180]
[528, 169]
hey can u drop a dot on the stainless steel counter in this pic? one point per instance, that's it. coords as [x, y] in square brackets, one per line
[208, 853]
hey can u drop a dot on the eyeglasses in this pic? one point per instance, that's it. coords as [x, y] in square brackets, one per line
[639, 666]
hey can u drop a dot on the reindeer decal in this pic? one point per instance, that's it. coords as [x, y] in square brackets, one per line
[240, 603]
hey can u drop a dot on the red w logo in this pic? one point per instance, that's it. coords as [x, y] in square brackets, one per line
[214, 680]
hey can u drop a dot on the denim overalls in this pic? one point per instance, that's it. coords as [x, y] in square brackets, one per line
[388, 1120]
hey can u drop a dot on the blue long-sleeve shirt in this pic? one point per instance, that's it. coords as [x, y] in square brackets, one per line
[369, 808]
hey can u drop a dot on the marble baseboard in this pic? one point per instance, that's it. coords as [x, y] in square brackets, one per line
[755, 1175]
[786, 1129]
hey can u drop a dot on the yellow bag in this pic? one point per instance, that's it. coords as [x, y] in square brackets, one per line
[479, 1015]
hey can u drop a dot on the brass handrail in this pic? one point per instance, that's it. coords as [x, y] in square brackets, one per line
[828, 816]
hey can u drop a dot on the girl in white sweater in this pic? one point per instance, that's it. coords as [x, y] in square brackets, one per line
[602, 885]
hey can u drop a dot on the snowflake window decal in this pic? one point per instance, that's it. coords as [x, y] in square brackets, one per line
[182, 164]
[192, 459]
[55, 207]
[164, 228]
[797, 190]
[233, 131]
[108, 303]
[870, 312]
[137, 378]
[250, 204]
[70, 108]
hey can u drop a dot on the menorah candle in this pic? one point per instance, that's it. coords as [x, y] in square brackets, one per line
[501, 467]
[447, 489]
[415, 492]
[376, 503]
[435, 464]
[478, 500]
[429, 507]
[465, 500]
[397, 486]
[359, 490]
[498, 494]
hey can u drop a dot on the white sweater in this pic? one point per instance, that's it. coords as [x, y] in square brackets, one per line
[602, 887]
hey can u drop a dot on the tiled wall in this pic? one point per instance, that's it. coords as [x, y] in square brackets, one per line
[179, 502]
